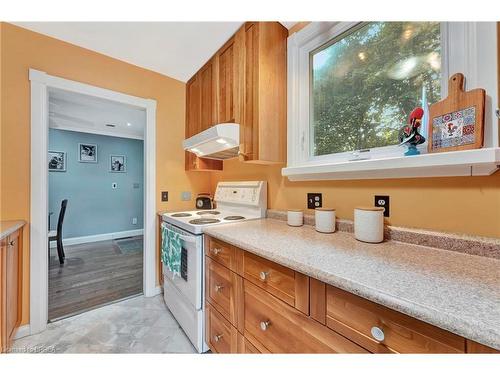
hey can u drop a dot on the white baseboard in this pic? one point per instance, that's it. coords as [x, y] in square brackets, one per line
[22, 331]
[99, 237]
[158, 290]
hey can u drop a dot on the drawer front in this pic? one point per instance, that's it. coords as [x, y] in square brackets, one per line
[223, 289]
[383, 330]
[221, 336]
[283, 329]
[223, 253]
[272, 277]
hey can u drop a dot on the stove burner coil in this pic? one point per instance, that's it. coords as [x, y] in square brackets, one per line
[204, 221]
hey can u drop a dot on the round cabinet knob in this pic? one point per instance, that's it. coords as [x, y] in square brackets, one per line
[218, 288]
[263, 275]
[217, 338]
[216, 251]
[377, 333]
[264, 325]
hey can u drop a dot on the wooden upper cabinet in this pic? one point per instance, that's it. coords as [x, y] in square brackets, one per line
[263, 127]
[229, 80]
[244, 82]
[208, 95]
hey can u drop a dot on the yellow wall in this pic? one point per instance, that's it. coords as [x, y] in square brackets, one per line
[22, 49]
[469, 205]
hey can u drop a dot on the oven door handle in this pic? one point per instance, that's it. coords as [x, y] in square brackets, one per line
[187, 239]
[182, 237]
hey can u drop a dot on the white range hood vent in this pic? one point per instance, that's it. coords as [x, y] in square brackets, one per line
[219, 142]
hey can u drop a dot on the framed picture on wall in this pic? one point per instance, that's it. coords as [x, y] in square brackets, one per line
[57, 161]
[117, 163]
[87, 153]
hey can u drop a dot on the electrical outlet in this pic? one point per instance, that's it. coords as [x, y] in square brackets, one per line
[164, 196]
[314, 200]
[186, 196]
[383, 201]
[134, 221]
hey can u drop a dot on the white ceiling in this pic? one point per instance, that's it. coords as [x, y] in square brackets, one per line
[82, 113]
[175, 49]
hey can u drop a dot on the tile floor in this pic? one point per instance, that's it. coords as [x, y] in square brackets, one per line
[136, 325]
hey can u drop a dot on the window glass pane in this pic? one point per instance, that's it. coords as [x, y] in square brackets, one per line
[365, 84]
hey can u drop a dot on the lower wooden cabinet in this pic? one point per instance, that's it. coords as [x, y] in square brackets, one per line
[382, 330]
[257, 306]
[282, 329]
[10, 288]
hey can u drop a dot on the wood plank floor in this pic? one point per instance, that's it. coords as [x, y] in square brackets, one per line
[93, 274]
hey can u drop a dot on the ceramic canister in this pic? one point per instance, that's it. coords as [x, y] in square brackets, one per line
[325, 220]
[369, 224]
[295, 218]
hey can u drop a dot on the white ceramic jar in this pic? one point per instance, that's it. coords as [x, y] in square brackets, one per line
[325, 220]
[369, 224]
[295, 218]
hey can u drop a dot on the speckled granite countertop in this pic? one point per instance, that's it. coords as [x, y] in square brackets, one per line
[457, 292]
[9, 227]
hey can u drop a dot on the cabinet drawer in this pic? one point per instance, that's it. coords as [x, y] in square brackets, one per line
[225, 254]
[283, 329]
[221, 336]
[289, 286]
[223, 290]
[381, 330]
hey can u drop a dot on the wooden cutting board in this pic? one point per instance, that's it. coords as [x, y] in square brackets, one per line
[457, 122]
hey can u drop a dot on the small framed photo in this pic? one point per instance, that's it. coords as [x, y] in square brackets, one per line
[57, 161]
[87, 153]
[117, 163]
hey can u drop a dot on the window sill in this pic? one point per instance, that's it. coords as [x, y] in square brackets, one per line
[480, 162]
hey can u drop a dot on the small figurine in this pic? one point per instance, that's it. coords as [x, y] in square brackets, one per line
[409, 134]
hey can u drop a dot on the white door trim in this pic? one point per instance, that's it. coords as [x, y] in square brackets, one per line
[41, 82]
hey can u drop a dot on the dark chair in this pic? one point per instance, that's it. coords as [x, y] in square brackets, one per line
[56, 235]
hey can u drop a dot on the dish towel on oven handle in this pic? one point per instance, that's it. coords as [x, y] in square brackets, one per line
[171, 249]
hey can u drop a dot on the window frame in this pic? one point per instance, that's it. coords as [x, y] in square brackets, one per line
[461, 45]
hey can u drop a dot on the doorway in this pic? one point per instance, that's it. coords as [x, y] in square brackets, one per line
[42, 85]
[96, 202]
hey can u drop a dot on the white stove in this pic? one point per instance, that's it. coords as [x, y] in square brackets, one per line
[236, 201]
[184, 295]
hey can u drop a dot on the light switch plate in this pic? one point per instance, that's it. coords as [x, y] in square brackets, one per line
[314, 200]
[164, 196]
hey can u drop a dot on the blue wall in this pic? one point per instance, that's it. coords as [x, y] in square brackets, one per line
[93, 206]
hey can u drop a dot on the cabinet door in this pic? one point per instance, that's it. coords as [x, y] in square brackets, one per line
[208, 95]
[13, 286]
[193, 106]
[3, 287]
[228, 81]
[249, 127]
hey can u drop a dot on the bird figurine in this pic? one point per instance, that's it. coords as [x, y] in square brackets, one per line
[409, 134]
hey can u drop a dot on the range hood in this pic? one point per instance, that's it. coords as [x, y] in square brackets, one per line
[219, 142]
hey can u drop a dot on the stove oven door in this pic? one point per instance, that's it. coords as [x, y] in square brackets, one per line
[190, 283]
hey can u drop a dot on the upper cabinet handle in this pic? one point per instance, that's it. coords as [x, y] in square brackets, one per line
[11, 243]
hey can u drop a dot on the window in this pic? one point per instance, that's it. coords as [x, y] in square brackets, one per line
[351, 86]
[366, 81]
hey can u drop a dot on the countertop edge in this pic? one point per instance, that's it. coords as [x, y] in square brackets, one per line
[417, 311]
[10, 227]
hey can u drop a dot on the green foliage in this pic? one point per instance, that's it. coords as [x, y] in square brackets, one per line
[366, 84]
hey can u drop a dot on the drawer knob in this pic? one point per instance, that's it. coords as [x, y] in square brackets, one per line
[216, 251]
[218, 288]
[217, 338]
[377, 333]
[263, 275]
[264, 325]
